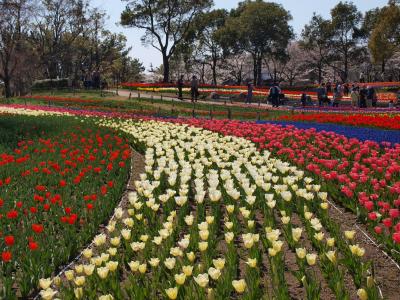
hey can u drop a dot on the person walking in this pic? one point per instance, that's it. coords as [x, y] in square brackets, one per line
[180, 87]
[194, 88]
[370, 97]
[303, 99]
[363, 97]
[321, 94]
[249, 96]
[355, 96]
[338, 94]
[274, 93]
[328, 87]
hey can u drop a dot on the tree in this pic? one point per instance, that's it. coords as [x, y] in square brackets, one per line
[315, 40]
[385, 35]
[166, 23]
[346, 30]
[15, 19]
[206, 27]
[59, 24]
[259, 28]
[296, 63]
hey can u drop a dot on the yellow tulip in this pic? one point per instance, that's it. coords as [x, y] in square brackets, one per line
[214, 273]
[301, 253]
[172, 293]
[187, 270]
[349, 234]
[78, 293]
[103, 272]
[219, 263]
[202, 280]
[362, 294]
[252, 262]
[80, 280]
[203, 246]
[142, 268]
[239, 285]
[45, 283]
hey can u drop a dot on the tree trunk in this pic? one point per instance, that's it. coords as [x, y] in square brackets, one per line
[7, 86]
[319, 73]
[259, 71]
[166, 68]
[346, 69]
[214, 71]
[383, 67]
[240, 79]
[255, 73]
[203, 73]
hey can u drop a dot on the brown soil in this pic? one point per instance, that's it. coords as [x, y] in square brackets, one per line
[137, 168]
[387, 273]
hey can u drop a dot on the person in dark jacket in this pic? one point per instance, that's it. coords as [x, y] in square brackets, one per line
[194, 89]
[371, 97]
[249, 96]
[321, 94]
[303, 99]
[180, 84]
[274, 94]
[363, 97]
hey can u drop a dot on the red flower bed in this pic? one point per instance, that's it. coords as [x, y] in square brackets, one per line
[375, 120]
[54, 192]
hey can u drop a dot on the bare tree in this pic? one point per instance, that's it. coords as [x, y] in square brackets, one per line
[14, 25]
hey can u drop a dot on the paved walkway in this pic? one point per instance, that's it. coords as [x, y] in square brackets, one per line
[222, 102]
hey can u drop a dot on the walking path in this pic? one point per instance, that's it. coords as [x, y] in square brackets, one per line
[222, 102]
[227, 103]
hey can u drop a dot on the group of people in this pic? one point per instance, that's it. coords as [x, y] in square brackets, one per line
[194, 88]
[274, 94]
[361, 96]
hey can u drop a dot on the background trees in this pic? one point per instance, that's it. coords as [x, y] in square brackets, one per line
[14, 47]
[167, 23]
[261, 29]
[51, 39]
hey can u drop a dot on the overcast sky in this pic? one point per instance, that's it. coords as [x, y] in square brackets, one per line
[301, 10]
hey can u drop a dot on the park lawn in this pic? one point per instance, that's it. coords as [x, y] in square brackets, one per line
[160, 107]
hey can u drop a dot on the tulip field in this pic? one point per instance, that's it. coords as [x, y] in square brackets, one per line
[112, 205]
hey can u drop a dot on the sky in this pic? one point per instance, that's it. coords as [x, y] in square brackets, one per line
[301, 11]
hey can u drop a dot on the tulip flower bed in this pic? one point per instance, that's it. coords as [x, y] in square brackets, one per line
[386, 121]
[361, 133]
[362, 176]
[212, 217]
[58, 182]
[290, 92]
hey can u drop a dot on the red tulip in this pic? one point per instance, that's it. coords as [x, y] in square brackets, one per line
[378, 229]
[9, 240]
[369, 205]
[12, 214]
[372, 216]
[38, 228]
[387, 222]
[396, 237]
[33, 246]
[6, 256]
[394, 213]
